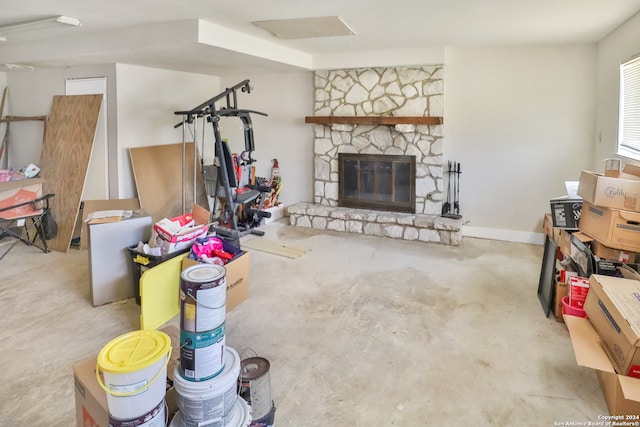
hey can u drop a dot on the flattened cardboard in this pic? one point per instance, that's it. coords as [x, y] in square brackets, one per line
[17, 192]
[157, 172]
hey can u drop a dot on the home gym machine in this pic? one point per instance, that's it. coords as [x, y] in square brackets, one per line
[240, 213]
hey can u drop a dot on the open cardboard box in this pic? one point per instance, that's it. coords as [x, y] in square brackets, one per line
[91, 399]
[622, 393]
[160, 288]
[613, 306]
[622, 192]
[170, 242]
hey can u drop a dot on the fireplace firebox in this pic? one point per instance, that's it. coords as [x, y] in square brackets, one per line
[377, 181]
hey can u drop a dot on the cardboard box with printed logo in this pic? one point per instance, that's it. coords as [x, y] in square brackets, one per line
[621, 192]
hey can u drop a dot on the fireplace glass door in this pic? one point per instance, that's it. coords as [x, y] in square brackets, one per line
[381, 182]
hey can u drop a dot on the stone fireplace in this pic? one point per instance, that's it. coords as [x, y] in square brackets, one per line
[394, 112]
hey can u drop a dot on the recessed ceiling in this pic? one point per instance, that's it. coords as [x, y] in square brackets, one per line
[306, 28]
[143, 32]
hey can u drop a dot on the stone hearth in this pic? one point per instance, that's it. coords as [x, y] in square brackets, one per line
[421, 227]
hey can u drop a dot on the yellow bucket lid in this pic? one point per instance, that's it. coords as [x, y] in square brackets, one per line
[134, 351]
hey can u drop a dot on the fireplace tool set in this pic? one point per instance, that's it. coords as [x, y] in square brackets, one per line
[452, 209]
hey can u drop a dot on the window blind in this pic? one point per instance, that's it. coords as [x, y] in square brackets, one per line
[629, 132]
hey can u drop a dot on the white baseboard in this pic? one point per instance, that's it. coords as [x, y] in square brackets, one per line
[501, 234]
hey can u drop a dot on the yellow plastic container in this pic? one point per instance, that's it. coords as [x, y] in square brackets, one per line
[134, 367]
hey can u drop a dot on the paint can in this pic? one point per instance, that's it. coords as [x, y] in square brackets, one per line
[203, 297]
[255, 386]
[266, 421]
[204, 402]
[240, 416]
[134, 376]
[202, 354]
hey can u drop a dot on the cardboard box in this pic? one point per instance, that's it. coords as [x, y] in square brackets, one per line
[561, 291]
[237, 279]
[16, 192]
[553, 232]
[615, 228]
[565, 242]
[91, 400]
[565, 212]
[618, 193]
[613, 305]
[170, 241]
[605, 252]
[621, 393]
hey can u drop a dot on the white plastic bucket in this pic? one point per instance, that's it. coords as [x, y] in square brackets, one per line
[209, 401]
[155, 418]
[239, 416]
[134, 368]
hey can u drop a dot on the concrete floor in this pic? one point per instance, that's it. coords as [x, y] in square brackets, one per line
[360, 331]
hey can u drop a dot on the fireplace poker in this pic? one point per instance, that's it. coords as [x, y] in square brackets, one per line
[446, 206]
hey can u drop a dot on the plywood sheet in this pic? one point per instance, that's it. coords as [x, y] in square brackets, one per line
[90, 206]
[66, 150]
[157, 171]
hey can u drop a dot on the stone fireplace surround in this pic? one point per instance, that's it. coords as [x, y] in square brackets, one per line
[380, 92]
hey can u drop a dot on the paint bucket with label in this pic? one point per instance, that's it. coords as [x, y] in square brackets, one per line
[255, 386]
[240, 416]
[203, 297]
[202, 354]
[134, 376]
[157, 417]
[204, 402]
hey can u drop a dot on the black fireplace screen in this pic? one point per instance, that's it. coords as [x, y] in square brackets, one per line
[376, 181]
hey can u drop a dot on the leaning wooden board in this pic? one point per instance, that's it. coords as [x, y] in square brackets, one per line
[157, 171]
[66, 150]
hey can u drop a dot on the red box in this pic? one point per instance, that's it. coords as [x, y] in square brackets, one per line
[578, 290]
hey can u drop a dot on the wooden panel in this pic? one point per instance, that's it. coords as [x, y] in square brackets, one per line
[66, 150]
[378, 120]
[157, 171]
[90, 206]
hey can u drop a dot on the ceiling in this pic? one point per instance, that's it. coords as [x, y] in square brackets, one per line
[218, 37]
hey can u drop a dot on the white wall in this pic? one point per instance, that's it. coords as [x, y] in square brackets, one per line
[520, 120]
[147, 99]
[283, 135]
[618, 46]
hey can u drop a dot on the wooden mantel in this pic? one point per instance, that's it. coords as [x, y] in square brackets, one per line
[373, 120]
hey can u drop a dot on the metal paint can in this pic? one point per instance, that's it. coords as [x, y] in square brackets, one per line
[255, 386]
[203, 297]
[266, 421]
[202, 354]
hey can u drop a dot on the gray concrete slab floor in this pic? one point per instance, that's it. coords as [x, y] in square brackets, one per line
[360, 331]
